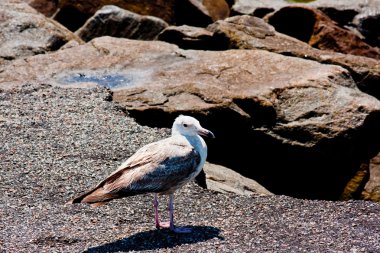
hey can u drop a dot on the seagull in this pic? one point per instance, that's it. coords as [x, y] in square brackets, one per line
[160, 167]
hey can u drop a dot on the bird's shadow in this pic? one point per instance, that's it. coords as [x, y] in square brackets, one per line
[157, 239]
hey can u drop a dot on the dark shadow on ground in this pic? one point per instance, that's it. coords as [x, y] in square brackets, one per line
[157, 239]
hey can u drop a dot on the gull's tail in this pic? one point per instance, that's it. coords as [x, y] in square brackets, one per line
[96, 197]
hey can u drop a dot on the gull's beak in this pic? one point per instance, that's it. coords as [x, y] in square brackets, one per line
[206, 133]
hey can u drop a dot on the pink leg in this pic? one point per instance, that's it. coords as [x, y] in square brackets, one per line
[171, 215]
[156, 216]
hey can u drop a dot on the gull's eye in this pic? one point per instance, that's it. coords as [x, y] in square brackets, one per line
[184, 124]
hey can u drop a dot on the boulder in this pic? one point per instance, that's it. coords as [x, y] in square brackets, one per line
[113, 21]
[372, 188]
[296, 126]
[246, 32]
[74, 13]
[25, 32]
[190, 37]
[46, 7]
[367, 23]
[201, 12]
[222, 179]
[360, 15]
[318, 30]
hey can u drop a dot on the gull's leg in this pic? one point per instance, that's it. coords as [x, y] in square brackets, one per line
[171, 215]
[156, 216]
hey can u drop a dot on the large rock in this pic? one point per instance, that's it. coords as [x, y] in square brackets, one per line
[372, 188]
[74, 13]
[318, 30]
[246, 32]
[190, 37]
[201, 12]
[338, 8]
[296, 126]
[46, 7]
[367, 23]
[114, 21]
[222, 179]
[25, 32]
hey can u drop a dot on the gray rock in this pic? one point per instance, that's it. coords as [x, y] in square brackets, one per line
[25, 32]
[222, 179]
[113, 21]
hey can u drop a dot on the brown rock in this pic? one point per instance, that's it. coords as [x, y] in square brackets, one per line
[46, 7]
[190, 37]
[25, 32]
[246, 32]
[284, 121]
[201, 12]
[318, 30]
[222, 179]
[114, 21]
[372, 188]
[74, 13]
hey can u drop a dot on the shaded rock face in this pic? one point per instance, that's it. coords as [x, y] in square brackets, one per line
[46, 7]
[25, 32]
[372, 188]
[190, 37]
[360, 15]
[74, 13]
[114, 21]
[368, 25]
[200, 12]
[246, 32]
[288, 122]
[317, 29]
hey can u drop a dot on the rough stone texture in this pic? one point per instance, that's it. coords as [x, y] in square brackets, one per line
[74, 13]
[222, 179]
[58, 142]
[46, 7]
[190, 37]
[116, 22]
[291, 113]
[367, 23]
[334, 7]
[246, 32]
[319, 31]
[358, 15]
[372, 188]
[25, 32]
[200, 12]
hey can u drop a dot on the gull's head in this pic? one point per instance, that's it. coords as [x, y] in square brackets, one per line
[189, 126]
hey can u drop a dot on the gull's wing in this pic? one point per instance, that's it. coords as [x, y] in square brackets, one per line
[156, 167]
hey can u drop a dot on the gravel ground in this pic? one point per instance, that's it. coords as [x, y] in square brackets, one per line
[56, 143]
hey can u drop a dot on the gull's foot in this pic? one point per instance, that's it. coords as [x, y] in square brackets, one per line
[181, 230]
[163, 225]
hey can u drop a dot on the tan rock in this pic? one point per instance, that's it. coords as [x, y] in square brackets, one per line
[246, 32]
[372, 188]
[222, 179]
